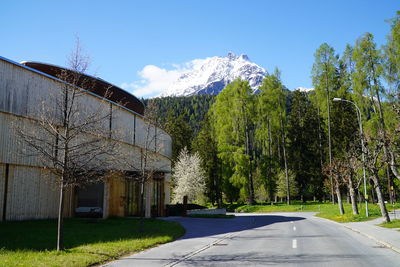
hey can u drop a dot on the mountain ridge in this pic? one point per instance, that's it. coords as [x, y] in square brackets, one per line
[212, 74]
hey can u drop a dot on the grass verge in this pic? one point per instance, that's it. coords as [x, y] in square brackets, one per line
[392, 224]
[326, 210]
[87, 242]
[219, 216]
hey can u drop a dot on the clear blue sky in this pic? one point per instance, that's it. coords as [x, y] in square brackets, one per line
[122, 37]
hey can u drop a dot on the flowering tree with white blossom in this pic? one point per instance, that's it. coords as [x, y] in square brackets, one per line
[189, 177]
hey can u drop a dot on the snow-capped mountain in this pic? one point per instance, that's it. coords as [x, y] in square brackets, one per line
[302, 89]
[211, 75]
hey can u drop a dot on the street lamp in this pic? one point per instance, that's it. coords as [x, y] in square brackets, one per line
[362, 149]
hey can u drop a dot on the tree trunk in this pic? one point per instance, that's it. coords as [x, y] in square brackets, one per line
[379, 195]
[373, 198]
[393, 165]
[353, 199]
[339, 200]
[60, 223]
[142, 209]
[285, 163]
[389, 186]
[329, 135]
[270, 189]
[248, 153]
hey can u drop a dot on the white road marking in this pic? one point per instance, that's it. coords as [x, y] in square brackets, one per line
[294, 243]
[294, 228]
[291, 222]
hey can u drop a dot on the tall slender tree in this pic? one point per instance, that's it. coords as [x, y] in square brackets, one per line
[324, 80]
[232, 115]
[303, 147]
[271, 118]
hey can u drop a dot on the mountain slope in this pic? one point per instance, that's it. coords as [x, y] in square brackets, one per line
[211, 75]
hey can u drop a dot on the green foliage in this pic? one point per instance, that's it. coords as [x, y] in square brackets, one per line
[181, 117]
[282, 186]
[324, 76]
[181, 134]
[271, 110]
[232, 115]
[192, 109]
[205, 144]
[392, 56]
[305, 135]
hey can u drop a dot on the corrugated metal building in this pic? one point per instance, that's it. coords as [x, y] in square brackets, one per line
[28, 192]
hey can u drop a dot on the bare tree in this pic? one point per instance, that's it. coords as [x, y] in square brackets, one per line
[350, 165]
[147, 164]
[70, 138]
[335, 171]
[374, 149]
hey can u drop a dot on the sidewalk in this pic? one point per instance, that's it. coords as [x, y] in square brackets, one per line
[388, 237]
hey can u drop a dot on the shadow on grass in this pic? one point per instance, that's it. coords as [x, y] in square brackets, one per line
[42, 234]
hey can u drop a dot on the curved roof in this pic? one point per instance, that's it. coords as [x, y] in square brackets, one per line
[92, 84]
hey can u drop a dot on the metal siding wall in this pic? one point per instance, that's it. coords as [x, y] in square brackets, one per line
[123, 125]
[164, 143]
[2, 183]
[13, 96]
[23, 92]
[30, 195]
[95, 108]
[140, 132]
[11, 146]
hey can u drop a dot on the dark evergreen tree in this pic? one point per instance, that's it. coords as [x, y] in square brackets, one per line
[205, 144]
[304, 146]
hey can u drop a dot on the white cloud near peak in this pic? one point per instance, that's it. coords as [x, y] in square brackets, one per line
[154, 80]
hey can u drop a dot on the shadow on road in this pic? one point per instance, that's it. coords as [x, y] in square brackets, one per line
[202, 227]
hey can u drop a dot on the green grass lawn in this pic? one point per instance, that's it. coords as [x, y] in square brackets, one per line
[326, 210]
[87, 242]
[392, 224]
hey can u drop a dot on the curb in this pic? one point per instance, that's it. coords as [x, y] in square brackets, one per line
[383, 243]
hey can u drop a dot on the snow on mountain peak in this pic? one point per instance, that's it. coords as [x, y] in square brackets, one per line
[211, 75]
[306, 90]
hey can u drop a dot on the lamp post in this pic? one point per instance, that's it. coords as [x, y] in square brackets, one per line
[362, 149]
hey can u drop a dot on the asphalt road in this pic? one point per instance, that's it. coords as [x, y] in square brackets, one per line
[283, 239]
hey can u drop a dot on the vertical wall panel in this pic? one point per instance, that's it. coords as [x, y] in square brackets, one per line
[2, 188]
[116, 197]
[123, 125]
[30, 195]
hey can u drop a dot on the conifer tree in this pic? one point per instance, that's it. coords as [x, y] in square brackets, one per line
[232, 115]
[324, 80]
[271, 126]
[303, 147]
